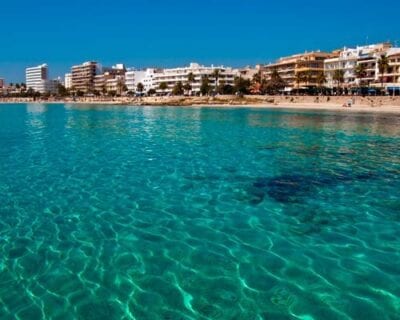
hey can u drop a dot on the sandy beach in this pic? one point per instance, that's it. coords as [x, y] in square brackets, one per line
[335, 103]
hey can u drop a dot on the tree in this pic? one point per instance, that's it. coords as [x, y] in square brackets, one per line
[190, 77]
[121, 86]
[178, 90]
[187, 87]
[163, 86]
[205, 86]
[104, 90]
[338, 76]
[258, 83]
[151, 92]
[140, 87]
[62, 91]
[275, 84]
[215, 75]
[241, 86]
[320, 79]
[299, 78]
[360, 72]
[383, 65]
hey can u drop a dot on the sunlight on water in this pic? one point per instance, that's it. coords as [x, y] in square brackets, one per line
[198, 213]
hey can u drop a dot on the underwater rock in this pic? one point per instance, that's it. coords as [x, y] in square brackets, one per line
[292, 188]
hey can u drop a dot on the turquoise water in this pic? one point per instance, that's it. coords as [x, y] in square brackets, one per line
[198, 213]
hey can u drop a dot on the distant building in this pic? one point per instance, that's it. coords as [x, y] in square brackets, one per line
[392, 76]
[172, 76]
[37, 78]
[109, 79]
[248, 73]
[83, 75]
[309, 64]
[68, 81]
[145, 77]
[347, 61]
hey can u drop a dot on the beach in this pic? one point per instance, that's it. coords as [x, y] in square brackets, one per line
[336, 103]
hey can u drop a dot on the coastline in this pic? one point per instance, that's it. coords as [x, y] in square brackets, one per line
[324, 103]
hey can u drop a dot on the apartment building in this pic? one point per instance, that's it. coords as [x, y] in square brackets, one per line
[82, 76]
[348, 61]
[226, 75]
[391, 77]
[145, 77]
[36, 78]
[309, 64]
[68, 80]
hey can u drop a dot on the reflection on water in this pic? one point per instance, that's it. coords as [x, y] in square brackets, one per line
[198, 213]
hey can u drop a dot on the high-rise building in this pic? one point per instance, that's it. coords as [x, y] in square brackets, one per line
[68, 80]
[37, 77]
[298, 71]
[83, 76]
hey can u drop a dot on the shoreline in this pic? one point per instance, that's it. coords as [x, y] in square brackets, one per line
[362, 104]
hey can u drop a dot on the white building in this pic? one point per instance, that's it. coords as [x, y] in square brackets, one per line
[145, 77]
[37, 77]
[172, 76]
[348, 60]
[68, 81]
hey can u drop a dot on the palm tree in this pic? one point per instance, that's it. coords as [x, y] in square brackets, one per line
[321, 79]
[383, 65]
[190, 79]
[338, 76]
[299, 78]
[187, 87]
[163, 86]
[120, 85]
[215, 75]
[178, 90]
[140, 87]
[205, 85]
[361, 72]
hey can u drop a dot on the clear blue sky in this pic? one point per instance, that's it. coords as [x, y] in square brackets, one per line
[175, 32]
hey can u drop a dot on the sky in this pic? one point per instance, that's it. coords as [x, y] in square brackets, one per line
[168, 33]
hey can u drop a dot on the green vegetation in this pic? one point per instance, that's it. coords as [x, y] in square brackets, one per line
[178, 89]
[383, 65]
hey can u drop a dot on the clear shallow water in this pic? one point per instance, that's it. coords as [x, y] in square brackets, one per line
[190, 213]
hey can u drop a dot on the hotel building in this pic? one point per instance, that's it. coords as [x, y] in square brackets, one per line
[37, 78]
[145, 77]
[83, 76]
[309, 63]
[173, 76]
[68, 81]
[391, 77]
[350, 58]
[111, 79]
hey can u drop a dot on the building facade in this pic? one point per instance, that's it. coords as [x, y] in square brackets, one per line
[171, 77]
[36, 78]
[82, 76]
[309, 65]
[68, 81]
[349, 59]
[392, 76]
[145, 77]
